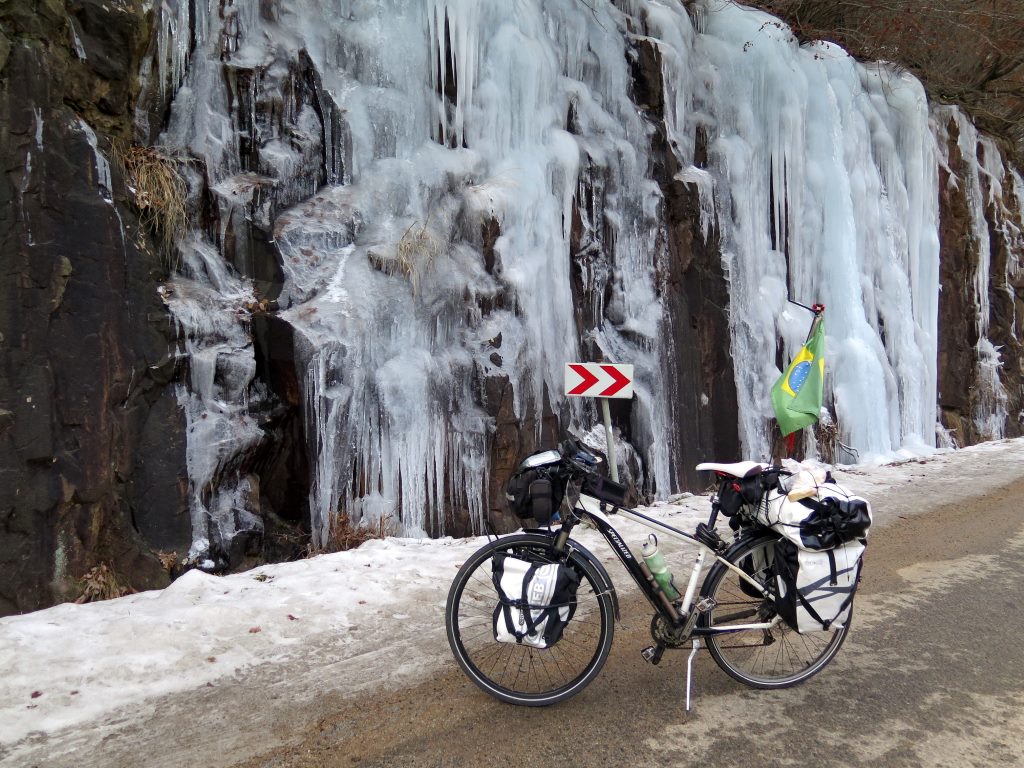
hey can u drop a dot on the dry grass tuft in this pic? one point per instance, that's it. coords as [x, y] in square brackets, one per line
[826, 432]
[345, 536]
[831, 449]
[418, 247]
[101, 583]
[158, 191]
[168, 560]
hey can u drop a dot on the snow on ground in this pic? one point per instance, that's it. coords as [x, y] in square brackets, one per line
[73, 666]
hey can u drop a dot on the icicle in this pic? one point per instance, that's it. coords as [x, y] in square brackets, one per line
[102, 165]
[990, 395]
[39, 128]
[208, 303]
[76, 40]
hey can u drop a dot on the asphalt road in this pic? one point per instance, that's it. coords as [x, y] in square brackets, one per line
[932, 674]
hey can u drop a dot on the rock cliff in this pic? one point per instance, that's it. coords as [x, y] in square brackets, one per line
[91, 445]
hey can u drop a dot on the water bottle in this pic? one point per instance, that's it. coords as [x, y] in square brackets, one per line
[656, 562]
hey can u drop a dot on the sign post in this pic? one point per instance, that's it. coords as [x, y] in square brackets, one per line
[603, 381]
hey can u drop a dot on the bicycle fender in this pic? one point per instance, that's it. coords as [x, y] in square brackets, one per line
[602, 572]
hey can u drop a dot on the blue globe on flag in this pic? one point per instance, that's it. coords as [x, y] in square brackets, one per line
[798, 375]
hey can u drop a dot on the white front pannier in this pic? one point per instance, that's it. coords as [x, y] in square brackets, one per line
[535, 601]
[816, 589]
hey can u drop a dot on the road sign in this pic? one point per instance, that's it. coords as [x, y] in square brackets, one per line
[598, 380]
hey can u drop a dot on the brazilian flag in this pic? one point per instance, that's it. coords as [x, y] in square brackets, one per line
[796, 396]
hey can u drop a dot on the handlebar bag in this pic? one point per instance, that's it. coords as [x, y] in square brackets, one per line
[535, 600]
[816, 589]
[532, 493]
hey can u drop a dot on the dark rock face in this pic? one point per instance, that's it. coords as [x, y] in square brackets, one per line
[1008, 301]
[695, 291]
[91, 447]
[1006, 240]
[283, 462]
[962, 395]
[512, 440]
[957, 339]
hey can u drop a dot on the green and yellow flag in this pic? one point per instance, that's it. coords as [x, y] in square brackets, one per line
[796, 396]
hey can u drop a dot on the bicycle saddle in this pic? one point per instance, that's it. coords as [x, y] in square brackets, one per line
[739, 469]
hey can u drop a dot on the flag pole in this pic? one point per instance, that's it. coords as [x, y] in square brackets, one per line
[818, 314]
[817, 309]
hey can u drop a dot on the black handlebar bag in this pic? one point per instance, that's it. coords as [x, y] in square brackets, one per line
[532, 494]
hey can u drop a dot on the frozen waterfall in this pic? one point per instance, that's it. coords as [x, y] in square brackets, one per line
[827, 178]
[422, 170]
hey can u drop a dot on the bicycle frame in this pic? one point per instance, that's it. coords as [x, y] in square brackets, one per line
[684, 617]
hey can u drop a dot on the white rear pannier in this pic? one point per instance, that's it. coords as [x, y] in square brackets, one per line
[816, 589]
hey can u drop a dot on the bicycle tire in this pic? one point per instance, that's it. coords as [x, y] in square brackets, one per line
[521, 674]
[778, 657]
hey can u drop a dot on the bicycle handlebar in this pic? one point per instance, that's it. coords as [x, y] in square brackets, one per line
[577, 457]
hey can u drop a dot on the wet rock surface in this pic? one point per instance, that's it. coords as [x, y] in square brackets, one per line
[968, 246]
[91, 447]
[696, 294]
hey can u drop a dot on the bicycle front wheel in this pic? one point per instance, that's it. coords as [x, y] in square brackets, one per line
[762, 658]
[521, 674]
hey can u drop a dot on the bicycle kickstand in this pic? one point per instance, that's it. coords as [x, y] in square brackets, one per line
[689, 671]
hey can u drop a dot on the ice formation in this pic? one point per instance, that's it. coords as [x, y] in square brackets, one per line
[208, 302]
[435, 120]
[829, 170]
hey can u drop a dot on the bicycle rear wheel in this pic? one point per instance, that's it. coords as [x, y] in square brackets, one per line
[762, 658]
[521, 674]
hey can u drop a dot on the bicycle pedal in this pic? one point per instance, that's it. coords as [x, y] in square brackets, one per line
[652, 654]
[705, 604]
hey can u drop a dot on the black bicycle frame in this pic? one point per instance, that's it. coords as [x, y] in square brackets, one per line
[641, 573]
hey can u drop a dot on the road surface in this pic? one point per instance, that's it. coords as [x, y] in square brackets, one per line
[932, 674]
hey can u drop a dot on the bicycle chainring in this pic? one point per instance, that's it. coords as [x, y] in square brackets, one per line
[665, 634]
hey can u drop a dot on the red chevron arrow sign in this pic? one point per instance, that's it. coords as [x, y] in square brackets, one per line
[598, 380]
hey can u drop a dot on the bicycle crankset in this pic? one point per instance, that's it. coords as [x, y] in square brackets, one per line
[666, 635]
